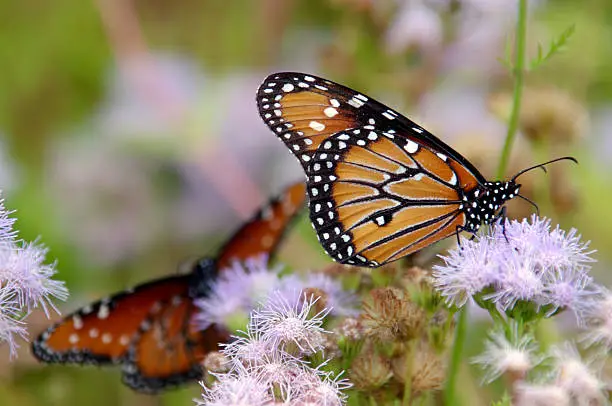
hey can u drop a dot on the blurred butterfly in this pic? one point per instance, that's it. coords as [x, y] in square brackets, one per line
[148, 330]
[380, 186]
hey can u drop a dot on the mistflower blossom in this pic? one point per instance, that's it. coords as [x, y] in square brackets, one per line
[25, 282]
[541, 395]
[314, 387]
[467, 271]
[237, 389]
[262, 371]
[236, 292]
[598, 318]
[579, 378]
[283, 323]
[528, 262]
[339, 301]
[516, 355]
[10, 323]
[244, 286]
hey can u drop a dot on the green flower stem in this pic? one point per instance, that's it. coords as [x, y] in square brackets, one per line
[410, 354]
[518, 73]
[450, 397]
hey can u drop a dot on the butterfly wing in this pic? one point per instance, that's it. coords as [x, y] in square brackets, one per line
[262, 234]
[102, 332]
[303, 110]
[149, 329]
[380, 186]
[169, 350]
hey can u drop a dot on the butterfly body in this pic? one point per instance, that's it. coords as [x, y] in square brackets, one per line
[379, 185]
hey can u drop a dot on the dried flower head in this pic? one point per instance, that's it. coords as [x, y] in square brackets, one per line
[515, 355]
[216, 361]
[428, 370]
[388, 315]
[547, 114]
[370, 370]
[350, 329]
[520, 262]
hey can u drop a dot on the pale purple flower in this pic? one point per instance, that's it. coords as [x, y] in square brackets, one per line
[23, 266]
[11, 325]
[549, 249]
[6, 224]
[244, 286]
[528, 262]
[467, 271]
[580, 378]
[283, 323]
[517, 354]
[314, 387]
[570, 288]
[263, 370]
[541, 395]
[236, 291]
[25, 282]
[415, 24]
[517, 280]
[240, 388]
[339, 301]
[598, 316]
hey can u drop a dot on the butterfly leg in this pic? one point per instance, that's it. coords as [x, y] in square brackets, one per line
[502, 215]
[458, 229]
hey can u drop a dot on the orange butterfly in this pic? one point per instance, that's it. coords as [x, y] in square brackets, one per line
[148, 330]
[380, 186]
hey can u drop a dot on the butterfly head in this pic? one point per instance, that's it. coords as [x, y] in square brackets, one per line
[204, 274]
[483, 203]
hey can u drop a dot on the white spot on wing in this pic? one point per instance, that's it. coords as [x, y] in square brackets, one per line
[315, 125]
[287, 87]
[330, 112]
[411, 147]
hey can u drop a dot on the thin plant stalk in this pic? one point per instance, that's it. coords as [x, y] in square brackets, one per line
[407, 401]
[450, 397]
[518, 70]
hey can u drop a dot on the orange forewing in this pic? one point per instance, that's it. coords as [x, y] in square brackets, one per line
[262, 234]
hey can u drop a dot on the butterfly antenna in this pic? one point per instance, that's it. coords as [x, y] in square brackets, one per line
[530, 202]
[568, 158]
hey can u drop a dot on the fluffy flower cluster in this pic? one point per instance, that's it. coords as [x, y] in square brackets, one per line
[266, 364]
[525, 262]
[566, 379]
[25, 282]
[240, 288]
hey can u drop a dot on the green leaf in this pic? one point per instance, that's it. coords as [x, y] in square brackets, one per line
[507, 59]
[504, 401]
[556, 46]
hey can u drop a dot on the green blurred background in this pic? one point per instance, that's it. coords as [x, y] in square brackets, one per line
[130, 140]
